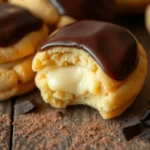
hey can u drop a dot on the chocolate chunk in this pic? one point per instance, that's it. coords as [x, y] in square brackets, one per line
[145, 136]
[146, 123]
[61, 112]
[114, 48]
[145, 116]
[132, 129]
[25, 107]
[86, 9]
[15, 23]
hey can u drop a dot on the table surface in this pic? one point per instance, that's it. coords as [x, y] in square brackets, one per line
[77, 127]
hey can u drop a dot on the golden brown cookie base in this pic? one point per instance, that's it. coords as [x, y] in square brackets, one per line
[19, 89]
[118, 111]
[111, 98]
[16, 78]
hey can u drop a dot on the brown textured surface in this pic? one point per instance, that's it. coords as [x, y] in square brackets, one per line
[5, 124]
[80, 127]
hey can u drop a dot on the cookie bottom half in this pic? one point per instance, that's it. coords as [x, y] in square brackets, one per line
[16, 77]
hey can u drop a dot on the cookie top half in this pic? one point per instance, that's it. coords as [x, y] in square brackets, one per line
[111, 46]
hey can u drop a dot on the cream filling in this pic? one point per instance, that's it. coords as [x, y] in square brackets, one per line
[71, 79]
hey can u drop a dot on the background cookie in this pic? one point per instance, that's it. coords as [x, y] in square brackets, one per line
[62, 12]
[131, 6]
[41, 8]
[18, 43]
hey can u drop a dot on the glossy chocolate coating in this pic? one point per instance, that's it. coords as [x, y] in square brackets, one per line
[15, 23]
[86, 9]
[113, 47]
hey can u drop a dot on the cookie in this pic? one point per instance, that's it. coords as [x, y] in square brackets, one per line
[63, 12]
[41, 8]
[65, 20]
[93, 63]
[131, 6]
[20, 32]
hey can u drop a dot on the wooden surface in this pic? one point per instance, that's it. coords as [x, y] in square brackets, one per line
[79, 127]
[5, 124]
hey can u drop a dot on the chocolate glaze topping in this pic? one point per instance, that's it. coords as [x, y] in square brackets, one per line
[16, 22]
[86, 9]
[113, 47]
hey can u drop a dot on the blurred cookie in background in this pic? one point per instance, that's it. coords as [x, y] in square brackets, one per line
[63, 12]
[131, 6]
[20, 34]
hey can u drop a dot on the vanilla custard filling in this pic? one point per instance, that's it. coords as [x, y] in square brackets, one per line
[71, 79]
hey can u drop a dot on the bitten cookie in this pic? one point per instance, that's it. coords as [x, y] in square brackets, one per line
[131, 6]
[63, 12]
[94, 63]
[20, 34]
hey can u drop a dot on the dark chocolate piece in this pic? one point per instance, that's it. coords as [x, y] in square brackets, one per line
[131, 129]
[145, 116]
[25, 107]
[113, 47]
[61, 112]
[145, 136]
[86, 9]
[146, 123]
[15, 23]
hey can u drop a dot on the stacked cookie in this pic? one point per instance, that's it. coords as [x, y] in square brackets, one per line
[20, 34]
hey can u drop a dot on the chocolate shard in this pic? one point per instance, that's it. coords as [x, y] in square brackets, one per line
[145, 116]
[61, 112]
[145, 136]
[131, 129]
[146, 123]
[25, 107]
